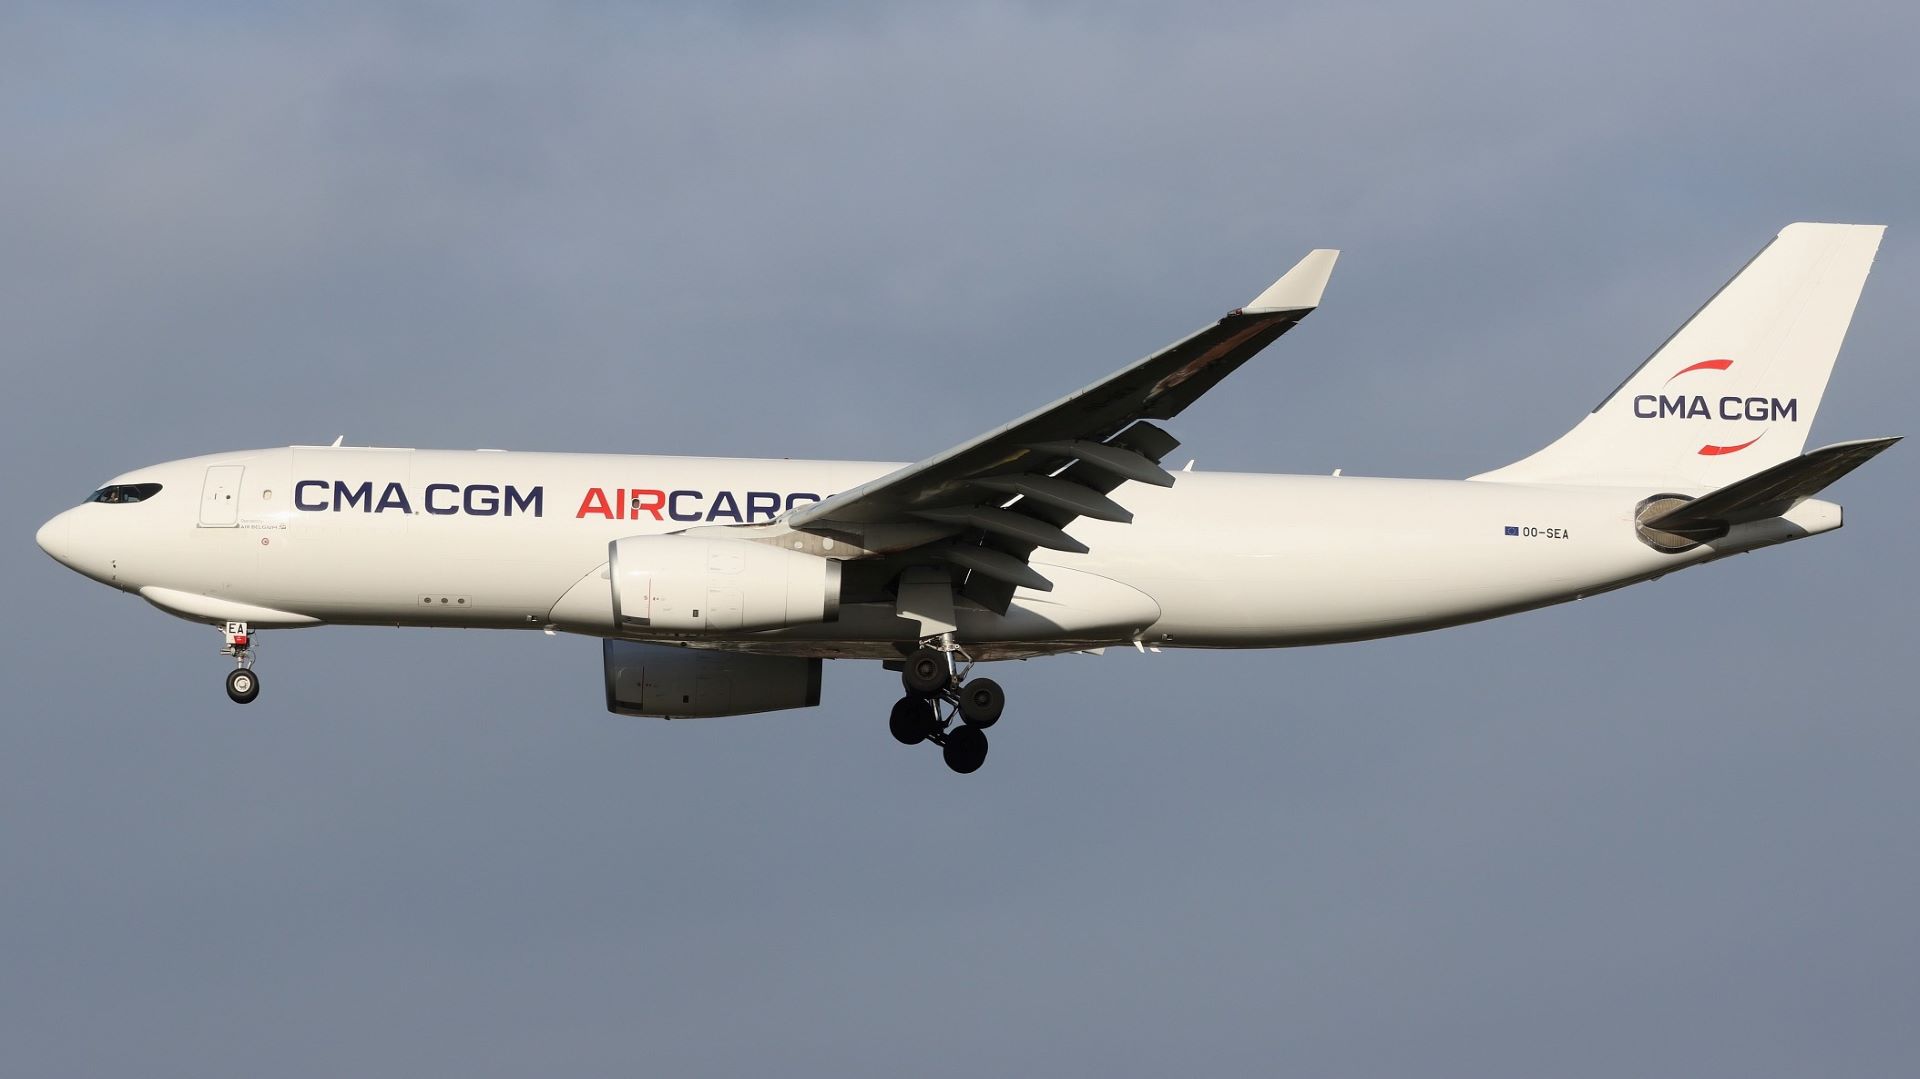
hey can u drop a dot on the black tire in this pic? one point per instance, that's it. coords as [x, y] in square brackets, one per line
[243, 685]
[926, 673]
[912, 720]
[966, 749]
[981, 702]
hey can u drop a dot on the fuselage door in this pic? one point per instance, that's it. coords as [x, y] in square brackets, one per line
[220, 496]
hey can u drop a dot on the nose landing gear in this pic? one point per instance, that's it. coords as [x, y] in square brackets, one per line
[242, 684]
[937, 693]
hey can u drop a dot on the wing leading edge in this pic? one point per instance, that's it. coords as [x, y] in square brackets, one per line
[985, 505]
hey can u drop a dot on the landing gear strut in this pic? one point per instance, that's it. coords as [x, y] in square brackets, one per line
[938, 692]
[242, 684]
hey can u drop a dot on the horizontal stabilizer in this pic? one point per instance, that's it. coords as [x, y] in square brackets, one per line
[1769, 493]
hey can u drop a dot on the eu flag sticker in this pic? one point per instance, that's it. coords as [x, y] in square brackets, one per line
[1513, 530]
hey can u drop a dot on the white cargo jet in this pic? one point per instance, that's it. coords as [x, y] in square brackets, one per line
[719, 585]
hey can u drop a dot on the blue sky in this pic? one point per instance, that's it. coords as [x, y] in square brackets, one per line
[1665, 831]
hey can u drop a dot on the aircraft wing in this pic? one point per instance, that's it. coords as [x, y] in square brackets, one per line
[986, 504]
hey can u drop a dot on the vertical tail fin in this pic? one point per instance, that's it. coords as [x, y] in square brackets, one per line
[1734, 390]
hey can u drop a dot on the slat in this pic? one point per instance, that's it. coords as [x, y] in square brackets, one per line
[1007, 523]
[1059, 493]
[1124, 463]
[996, 564]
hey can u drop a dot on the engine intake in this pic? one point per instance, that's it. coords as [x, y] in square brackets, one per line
[697, 585]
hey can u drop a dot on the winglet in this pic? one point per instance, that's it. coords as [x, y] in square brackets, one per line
[1300, 289]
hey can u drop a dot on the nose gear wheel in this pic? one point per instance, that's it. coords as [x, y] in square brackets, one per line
[243, 685]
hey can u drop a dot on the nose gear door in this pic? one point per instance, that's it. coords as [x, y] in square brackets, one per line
[220, 496]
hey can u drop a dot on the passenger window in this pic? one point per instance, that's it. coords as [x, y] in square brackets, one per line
[126, 492]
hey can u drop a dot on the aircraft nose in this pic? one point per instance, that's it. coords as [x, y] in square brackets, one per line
[56, 538]
[74, 546]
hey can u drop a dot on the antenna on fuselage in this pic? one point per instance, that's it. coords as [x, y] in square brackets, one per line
[337, 439]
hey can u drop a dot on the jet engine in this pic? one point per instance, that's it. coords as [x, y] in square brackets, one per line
[697, 584]
[676, 682]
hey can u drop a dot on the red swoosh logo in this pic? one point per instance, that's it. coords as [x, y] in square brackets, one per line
[1703, 365]
[1715, 451]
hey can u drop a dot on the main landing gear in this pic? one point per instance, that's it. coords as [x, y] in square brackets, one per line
[242, 684]
[937, 692]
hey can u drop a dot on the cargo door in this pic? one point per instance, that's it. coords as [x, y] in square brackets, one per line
[220, 496]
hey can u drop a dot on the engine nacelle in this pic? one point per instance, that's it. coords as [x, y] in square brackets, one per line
[696, 584]
[675, 682]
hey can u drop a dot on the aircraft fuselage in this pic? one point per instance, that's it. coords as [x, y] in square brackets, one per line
[349, 535]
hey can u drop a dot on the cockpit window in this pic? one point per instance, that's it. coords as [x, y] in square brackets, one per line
[126, 492]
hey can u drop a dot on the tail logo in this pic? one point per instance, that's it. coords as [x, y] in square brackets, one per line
[1731, 408]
